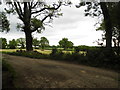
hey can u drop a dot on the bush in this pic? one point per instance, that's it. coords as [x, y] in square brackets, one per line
[97, 57]
[31, 54]
[56, 54]
[102, 58]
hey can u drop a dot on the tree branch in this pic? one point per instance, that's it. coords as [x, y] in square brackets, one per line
[17, 9]
[29, 7]
[52, 8]
[20, 8]
[45, 18]
[35, 5]
[34, 29]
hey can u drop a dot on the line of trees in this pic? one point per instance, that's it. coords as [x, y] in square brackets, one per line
[42, 43]
[21, 43]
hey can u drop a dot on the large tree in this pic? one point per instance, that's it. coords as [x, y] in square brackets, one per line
[96, 9]
[12, 44]
[64, 43]
[44, 42]
[33, 15]
[114, 9]
[36, 42]
[21, 42]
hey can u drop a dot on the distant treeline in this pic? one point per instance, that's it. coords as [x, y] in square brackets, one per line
[43, 43]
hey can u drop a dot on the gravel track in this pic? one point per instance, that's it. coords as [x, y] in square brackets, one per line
[44, 73]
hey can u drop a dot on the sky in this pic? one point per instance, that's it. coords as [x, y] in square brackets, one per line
[72, 25]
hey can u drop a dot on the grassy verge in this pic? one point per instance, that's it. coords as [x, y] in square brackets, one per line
[8, 75]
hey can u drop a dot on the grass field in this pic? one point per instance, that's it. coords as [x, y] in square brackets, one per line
[8, 50]
[13, 50]
[41, 51]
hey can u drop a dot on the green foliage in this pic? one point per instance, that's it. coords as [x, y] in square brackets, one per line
[4, 23]
[12, 44]
[115, 18]
[95, 56]
[31, 54]
[36, 23]
[21, 42]
[64, 43]
[44, 42]
[3, 43]
[84, 48]
[36, 42]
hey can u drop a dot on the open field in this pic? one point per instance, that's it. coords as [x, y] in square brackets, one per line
[13, 50]
[41, 51]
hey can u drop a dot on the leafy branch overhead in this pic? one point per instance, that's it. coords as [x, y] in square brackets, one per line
[36, 12]
[4, 23]
[110, 12]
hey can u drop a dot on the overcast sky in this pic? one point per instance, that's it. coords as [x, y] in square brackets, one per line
[72, 25]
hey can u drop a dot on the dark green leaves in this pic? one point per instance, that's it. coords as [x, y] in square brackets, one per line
[4, 23]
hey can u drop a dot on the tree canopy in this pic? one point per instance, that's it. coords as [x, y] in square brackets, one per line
[21, 42]
[4, 23]
[44, 42]
[36, 42]
[96, 9]
[34, 16]
[64, 43]
[12, 44]
[3, 43]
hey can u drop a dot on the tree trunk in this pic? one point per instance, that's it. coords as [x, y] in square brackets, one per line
[29, 40]
[108, 25]
[28, 33]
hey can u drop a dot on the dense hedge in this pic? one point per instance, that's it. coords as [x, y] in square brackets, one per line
[32, 54]
[97, 57]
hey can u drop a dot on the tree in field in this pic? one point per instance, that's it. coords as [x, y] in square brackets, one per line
[64, 43]
[44, 42]
[21, 42]
[3, 43]
[36, 42]
[34, 16]
[96, 9]
[12, 44]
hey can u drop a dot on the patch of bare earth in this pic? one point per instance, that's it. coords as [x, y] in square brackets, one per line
[43, 73]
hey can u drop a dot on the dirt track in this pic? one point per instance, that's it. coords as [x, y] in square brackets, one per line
[42, 73]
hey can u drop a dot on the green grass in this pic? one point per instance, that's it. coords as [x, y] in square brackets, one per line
[39, 50]
[44, 52]
[8, 50]
[14, 50]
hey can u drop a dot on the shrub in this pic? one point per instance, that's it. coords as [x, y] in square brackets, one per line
[97, 57]
[31, 54]
[56, 54]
